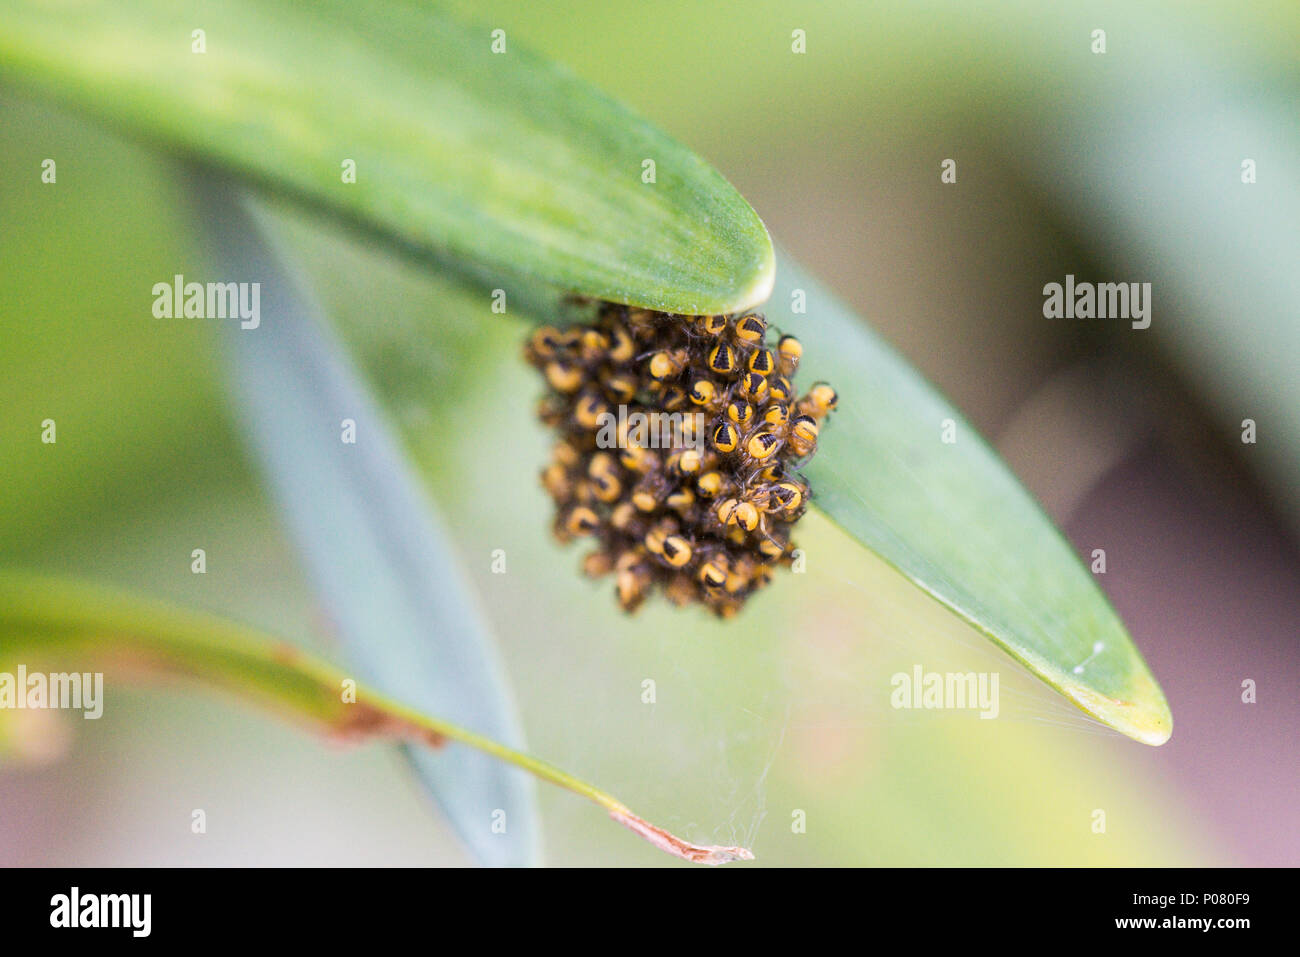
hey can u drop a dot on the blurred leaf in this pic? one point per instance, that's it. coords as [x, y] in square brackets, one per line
[953, 519]
[377, 554]
[59, 626]
[66, 625]
[503, 162]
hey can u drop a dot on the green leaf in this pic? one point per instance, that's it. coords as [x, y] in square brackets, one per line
[953, 519]
[51, 625]
[501, 161]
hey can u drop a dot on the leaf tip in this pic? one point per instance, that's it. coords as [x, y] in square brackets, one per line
[1143, 714]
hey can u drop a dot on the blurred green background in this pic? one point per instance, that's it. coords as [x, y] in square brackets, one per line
[1120, 167]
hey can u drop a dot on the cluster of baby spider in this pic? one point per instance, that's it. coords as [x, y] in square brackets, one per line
[680, 443]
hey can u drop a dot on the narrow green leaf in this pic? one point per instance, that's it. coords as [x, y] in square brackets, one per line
[953, 519]
[500, 160]
[62, 626]
[366, 532]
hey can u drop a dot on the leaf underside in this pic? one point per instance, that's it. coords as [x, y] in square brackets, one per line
[955, 520]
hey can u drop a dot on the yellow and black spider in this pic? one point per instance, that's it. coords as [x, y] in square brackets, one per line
[705, 518]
